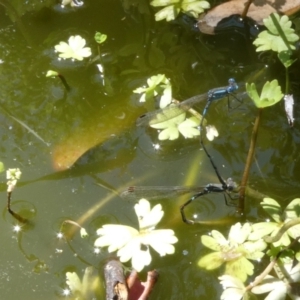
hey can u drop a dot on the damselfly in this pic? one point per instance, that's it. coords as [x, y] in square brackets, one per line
[173, 110]
[155, 192]
[163, 192]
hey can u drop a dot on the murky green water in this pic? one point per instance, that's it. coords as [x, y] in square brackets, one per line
[34, 262]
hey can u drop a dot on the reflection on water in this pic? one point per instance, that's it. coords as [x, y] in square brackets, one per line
[96, 150]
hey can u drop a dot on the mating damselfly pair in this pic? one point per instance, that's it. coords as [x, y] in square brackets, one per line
[161, 115]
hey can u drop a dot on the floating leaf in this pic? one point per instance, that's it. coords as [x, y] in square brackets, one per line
[170, 128]
[270, 95]
[166, 96]
[262, 229]
[100, 37]
[272, 208]
[188, 128]
[173, 8]
[276, 38]
[157, 85]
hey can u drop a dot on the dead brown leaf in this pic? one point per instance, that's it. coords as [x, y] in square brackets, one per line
[258, 10]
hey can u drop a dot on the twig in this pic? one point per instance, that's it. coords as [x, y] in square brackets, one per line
[241, 205]
[115, 281]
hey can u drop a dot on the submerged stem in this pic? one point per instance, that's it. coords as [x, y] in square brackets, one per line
[241, 204]
[15, 215]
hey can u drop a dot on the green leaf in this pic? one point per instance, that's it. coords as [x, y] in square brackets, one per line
[188, 128]
[270, 95]
[239, 268]
[171, 133]
[173, 8]
[210, 242]
[100, 37]
[169, 13]
[261, 229]
[285, 58]
[170, 129]
[2, 168]
[194, 8]
[166, 96]
[211, 261]
[271, 39]
[157, 85]
[292, 211]
[272, 208]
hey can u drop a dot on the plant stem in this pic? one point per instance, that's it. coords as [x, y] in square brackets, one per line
[245, 11]
[15, 215]
[283, 229]
[64, 82]
[241, 205]
[287, 81]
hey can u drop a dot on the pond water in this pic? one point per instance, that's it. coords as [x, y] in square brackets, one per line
[99, 116]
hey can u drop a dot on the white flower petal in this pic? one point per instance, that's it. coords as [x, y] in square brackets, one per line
[238, 233]
[161, 240]
[148, 219]
[141, 259]
[115, 236]
[268, 284]
[130, 250]
[142, 208]
[219, 237]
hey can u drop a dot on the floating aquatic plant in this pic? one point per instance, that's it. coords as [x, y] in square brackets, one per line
[174, 7]
[171, 128]
[74, 49]
[133, 244]
[280, 216]
[279, 36]
[235, 252]
[158, 85]
[270, 95]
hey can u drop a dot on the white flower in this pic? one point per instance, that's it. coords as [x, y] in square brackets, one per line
[74, 49]
[73, 3]
[211, 132]
[12, 175]
[133, 244]
[83, 233]
[233, 287]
